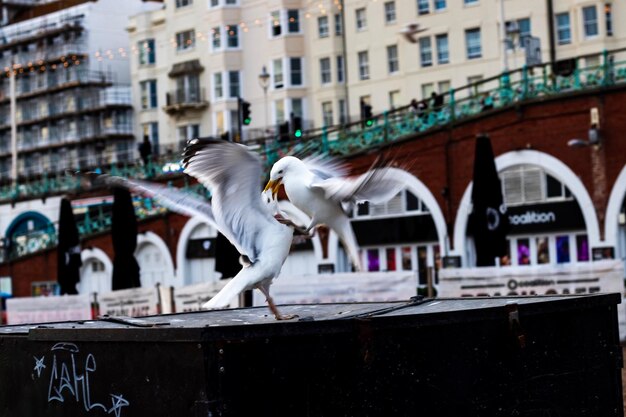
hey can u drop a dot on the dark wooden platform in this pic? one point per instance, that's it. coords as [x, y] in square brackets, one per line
[513, 356]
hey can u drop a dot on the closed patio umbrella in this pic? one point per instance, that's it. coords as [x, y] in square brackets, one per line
[68, 250]
[124, 235]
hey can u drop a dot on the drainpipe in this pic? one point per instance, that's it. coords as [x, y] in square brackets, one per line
[345, 59]
[552, 43]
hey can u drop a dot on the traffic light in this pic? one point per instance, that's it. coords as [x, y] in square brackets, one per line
[245, 113]
[297, 126]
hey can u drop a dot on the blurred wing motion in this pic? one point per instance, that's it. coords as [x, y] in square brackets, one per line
[173, 199]
[237, 210]
[233, 174]
[321, 190]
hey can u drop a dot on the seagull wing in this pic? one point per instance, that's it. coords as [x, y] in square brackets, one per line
[324, 167]
[376, 185]
[233, 174]
[174, 199]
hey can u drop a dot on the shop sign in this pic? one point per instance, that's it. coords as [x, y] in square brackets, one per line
[48, 309]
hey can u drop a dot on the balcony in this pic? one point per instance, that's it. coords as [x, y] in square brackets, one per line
[179, 101]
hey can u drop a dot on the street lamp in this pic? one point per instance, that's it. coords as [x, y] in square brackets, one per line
[264, 82]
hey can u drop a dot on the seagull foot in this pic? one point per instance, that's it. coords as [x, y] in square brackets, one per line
[286, 317]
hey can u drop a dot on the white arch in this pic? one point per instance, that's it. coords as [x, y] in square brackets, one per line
[613, 208]
[416, 187]
[552, 166]
[154, 239]
[181, 246]
[98, 254]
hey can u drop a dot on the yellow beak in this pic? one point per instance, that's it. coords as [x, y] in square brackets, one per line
[273, 185]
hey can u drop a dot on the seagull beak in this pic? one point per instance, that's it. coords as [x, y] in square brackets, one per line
[273, 185]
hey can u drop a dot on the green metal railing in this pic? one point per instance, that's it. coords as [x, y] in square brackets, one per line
[88, 224]
[497, 92]
[468, 101]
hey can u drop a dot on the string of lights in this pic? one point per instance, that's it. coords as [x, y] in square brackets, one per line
[313, 8]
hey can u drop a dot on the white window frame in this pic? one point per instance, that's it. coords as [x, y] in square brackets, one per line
[426, 51]
[446, 60]
[393, 61]
[560, 27]
[364, 66]
[360, 15]
[341, 69]
[323, 29]
[185, 46]
[218, 84]
[290, 82]
[390, 12]
[474, 55]
[326, 77]
[595, 22]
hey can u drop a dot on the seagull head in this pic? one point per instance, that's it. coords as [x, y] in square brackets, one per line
[286, 165]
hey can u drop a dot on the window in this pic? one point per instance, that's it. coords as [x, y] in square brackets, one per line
[232, 36]
[427, 90]
[440, 5]
[472, 43]
[523, 28]
[279, 106]
[148, 94]
[183, 3]
[470, 2]
[341, 103]
[215, 3]
[277, 66]
[188, 132]
[443, 55]
[340, 69]
[361, 19]
[218, 85]
[426, 52]
[443, 86]
[293, 21]
[563, 29]
[146, 52]
[295, 71]
[590, 21]
[233, 84]
[327, 113]
[188, 89]
[608, 16]
[364, 68]
[325, 77]
[527, 184]
[151, 131]
[297, 107]
[390, 12]
[423, 7]
[216, 38]
[275, 23]
[582, 248]
[185, 40]
[392, 59]
[394, 98]
[322, 26]
[338, 25]
[562, 249]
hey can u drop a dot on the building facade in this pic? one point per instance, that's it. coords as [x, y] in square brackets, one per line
[192, 59]
[71, 87]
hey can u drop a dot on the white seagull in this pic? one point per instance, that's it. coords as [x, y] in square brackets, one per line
[237, 209]
[320, 188]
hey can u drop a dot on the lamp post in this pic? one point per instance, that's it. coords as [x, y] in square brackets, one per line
[264, 82]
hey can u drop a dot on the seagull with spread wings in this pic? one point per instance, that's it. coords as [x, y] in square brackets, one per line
[321, 188]
[237, 209]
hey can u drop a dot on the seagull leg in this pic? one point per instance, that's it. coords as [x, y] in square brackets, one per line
[272, 306]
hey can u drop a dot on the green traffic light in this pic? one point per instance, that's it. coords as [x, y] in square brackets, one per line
[369, 122]
[247, 121]
[298, 133]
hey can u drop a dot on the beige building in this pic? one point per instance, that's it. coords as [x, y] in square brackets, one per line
[193, 58]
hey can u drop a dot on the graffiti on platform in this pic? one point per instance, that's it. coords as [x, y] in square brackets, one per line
[70, 377]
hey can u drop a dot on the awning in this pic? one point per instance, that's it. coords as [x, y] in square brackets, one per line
[187, 67]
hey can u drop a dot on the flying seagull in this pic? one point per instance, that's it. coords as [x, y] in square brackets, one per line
[321, 189]
[237, 209]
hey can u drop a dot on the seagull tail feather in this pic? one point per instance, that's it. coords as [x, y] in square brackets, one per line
[223, 298]
[348, 239]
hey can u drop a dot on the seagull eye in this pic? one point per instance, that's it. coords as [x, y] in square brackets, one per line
[280, 172]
